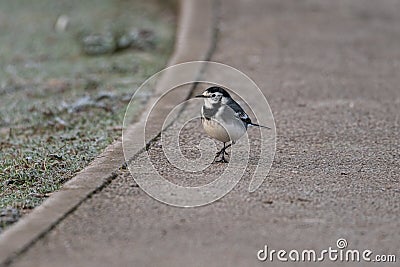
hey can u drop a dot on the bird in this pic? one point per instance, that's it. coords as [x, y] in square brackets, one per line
[223, 119]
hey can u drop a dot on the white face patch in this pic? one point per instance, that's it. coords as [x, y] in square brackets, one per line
[214, 98]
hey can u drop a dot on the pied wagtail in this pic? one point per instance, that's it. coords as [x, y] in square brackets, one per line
[223, 119]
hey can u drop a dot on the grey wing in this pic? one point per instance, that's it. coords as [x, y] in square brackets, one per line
[239, 112]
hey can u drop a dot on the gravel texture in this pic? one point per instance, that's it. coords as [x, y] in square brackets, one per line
[329, 70]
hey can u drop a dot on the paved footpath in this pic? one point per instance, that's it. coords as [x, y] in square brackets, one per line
[330, 71]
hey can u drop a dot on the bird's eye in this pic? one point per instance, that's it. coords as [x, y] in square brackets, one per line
[213, 95]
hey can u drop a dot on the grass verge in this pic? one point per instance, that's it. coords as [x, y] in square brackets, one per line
[67, 72]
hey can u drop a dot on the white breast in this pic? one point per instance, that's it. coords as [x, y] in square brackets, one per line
[224, 126]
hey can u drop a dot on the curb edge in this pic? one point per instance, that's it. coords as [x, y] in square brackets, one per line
[195, 40]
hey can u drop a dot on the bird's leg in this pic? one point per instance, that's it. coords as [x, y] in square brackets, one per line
[223, 153]
[226, 153]
[223, 150]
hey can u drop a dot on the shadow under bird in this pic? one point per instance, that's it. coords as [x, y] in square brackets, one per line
[223, 119]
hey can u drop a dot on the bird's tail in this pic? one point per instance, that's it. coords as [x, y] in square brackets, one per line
[257, 125]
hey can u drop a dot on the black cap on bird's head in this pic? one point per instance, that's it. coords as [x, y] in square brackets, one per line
[214, 90]
[217, 89]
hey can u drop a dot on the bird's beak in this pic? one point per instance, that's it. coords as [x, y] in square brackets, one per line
[202, 96]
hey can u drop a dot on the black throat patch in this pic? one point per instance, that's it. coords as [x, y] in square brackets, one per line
[208, 113]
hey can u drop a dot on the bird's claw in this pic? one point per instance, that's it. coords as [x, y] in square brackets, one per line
[222, 160]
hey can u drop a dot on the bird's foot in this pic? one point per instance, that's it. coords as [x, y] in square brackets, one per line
[222, 160]
[221, 153]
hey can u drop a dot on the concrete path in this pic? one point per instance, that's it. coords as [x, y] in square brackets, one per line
[330, 72]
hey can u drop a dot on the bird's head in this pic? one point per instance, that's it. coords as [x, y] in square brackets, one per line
[215, 96]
